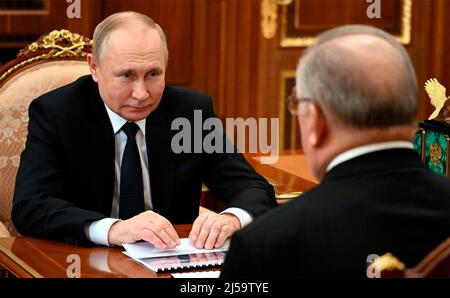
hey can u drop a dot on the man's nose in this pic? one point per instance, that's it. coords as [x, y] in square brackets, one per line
[140, 91]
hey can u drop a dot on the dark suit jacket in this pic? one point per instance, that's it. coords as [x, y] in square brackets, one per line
[381, 202]
[66, 173]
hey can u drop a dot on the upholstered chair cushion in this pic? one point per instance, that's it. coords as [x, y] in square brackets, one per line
[15, 97]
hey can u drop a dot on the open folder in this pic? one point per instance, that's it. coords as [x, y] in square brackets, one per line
[184, 256]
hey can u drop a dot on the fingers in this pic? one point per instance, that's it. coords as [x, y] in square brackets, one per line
[163, 234]
[155, 239]
[154, 228]
[197, 226]
[170, 230]
[223, 236]
[204, 234]
[212, 230]
[208, 231]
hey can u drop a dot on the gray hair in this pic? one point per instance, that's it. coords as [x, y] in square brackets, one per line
[115, 21]
[334, 83]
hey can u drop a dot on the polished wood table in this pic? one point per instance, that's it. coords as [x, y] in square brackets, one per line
[289, 176]
[31, 257]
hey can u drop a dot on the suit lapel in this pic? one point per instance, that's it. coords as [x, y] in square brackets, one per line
[101, 151]
[160, 161]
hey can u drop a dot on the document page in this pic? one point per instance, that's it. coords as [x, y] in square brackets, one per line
[142, 250]
[184, 256]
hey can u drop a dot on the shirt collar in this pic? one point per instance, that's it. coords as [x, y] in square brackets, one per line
[117, 121]
[358, 151]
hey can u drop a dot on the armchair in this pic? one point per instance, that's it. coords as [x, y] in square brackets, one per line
[54, 60]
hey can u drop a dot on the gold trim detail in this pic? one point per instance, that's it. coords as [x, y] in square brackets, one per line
[435, 153]
[288, 195]
[284, 76]
[19, 262]
[289, 42]
[447, 170]
[269, 16]
[58, 43]
[422, 150]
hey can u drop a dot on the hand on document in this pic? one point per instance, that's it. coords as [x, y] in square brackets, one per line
[210, 230]
[148, 226]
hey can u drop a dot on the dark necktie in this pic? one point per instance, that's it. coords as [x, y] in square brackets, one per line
[131, 186]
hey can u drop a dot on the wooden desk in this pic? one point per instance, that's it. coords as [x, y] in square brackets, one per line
[290, 176]
[30, 257]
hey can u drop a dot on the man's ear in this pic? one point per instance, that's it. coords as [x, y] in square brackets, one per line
[318, 125]
[93, 67]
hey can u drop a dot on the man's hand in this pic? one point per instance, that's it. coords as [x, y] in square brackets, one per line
[148, 226]
[211, 230]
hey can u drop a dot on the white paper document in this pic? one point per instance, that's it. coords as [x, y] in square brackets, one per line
[203, 274]
[142, 250]
[184, 256]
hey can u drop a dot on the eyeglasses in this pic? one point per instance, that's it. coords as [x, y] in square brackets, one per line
[293, 101]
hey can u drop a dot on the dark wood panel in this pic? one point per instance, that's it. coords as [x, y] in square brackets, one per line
[22, 4]
[216, 46]
[176, 18]
[428, 47]
[311, 16]
[19, 28]
[209, 56]
[34, 21]
[439, 41]
[91, 15]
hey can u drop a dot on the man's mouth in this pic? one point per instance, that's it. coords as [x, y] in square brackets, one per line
[140, 108]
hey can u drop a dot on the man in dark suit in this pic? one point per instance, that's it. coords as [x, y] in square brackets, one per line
[99, 164]
[356, 102]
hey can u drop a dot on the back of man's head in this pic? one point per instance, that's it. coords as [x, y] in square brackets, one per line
[361, 77]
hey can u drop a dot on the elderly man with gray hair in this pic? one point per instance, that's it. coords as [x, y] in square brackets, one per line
[356, 104]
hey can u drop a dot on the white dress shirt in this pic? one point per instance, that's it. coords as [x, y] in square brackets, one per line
[97, 231]
[358, 151]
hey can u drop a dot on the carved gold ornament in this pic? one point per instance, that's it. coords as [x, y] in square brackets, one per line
[435, 153]
[72, 44]
[269, 16]
[33, 47]
[436, 93]
[56, 44]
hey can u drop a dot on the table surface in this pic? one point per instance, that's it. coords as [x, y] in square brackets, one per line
[290, 175]
[31, 257]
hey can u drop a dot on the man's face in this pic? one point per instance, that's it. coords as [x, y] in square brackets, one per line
[131, 71]
[302, 119]
[307, 122]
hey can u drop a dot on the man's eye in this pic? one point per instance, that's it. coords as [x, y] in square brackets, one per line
[154, 73]
[125, 75]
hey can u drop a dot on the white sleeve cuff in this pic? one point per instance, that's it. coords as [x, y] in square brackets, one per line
[98, 230]
[244, 217]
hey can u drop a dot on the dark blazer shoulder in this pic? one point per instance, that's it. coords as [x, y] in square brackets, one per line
[179, 99]
[80, 88]
[273, 227]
